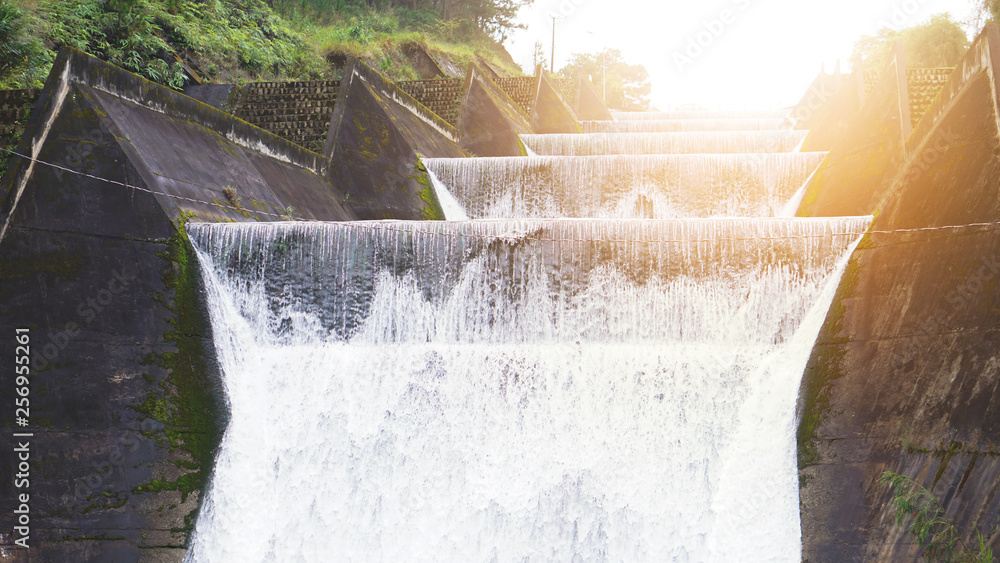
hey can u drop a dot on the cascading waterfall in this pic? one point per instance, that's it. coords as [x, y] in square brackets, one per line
[677, 125]
[697, 142]
[453, 210]
[626, 186]
[617, 383]
[501, 390]
[701, 114]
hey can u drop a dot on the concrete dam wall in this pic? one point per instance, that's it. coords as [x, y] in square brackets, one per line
[125, 401]
[904, 375]
[127, 406]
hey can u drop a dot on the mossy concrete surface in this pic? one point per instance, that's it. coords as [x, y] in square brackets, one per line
[377, 136]
[490, 121]
[550, 112]
[905, 374]
[423, 62]
[590, 104]
[126, 404]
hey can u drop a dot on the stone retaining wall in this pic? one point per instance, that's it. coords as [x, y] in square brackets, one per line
[923, 85]
[297, 111]
[521, 89]
[443, 97]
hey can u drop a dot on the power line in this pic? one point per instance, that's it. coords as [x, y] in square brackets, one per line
[386, 227]
[141, 189]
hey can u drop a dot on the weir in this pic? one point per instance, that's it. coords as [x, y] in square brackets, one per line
[556, 379]
[677, 125]
[696, 142]
[626, 186]
[701, 114]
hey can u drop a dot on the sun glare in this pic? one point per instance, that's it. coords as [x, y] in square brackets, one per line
[726, 53]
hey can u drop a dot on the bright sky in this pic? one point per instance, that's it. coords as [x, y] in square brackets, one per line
[723, 53]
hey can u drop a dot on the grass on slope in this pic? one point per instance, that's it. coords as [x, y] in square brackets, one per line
[234, 41]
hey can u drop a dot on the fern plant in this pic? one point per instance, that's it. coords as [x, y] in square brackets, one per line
[923, 517]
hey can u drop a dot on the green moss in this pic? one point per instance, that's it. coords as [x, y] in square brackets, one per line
[521, 146]
[90, 537]
[105, 501]
[64, 266]
[186, 485]
[824, 368]
[191, 413]
[954, 447]
[432, 211]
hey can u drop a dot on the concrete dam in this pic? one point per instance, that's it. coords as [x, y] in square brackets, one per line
[486, 318]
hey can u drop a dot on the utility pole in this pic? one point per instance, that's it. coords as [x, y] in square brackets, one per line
[604, 67]
[552, 61]
[604, 75]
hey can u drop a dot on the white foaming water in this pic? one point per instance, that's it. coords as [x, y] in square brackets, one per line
[453, 210]
[700, 114]
[512, 390]
[694, 142]
[675, 125]
[626, 186]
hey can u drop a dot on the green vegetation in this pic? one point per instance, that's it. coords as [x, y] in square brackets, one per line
[627, 85]
[460, 30]
[924, 518]
[22, 58]
[938, 42]
[990, 10]
[235, 41]
[192, 413]
[433, 211]
[11, 133]
[454, 20]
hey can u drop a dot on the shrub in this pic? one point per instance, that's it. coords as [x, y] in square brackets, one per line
[24, 62]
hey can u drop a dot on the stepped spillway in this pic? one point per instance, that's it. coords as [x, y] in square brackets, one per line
[679, 125]
[701, 115]
[626, 186]
[697, 142]
[594, 367]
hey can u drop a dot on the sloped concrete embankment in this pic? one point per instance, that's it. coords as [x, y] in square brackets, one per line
[125, 404]
[905, 375]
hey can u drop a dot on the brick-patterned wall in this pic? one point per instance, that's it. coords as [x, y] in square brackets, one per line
[569, 88]
[871, 79]
[521, 89]
[923, 85]
[15, 107]
[443, 97]
[297, 111]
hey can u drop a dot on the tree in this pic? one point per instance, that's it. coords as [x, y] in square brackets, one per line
[628, 86]
[494, 18]
[939, 42]
[538, 56]
[990, 11]
[472, 18]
